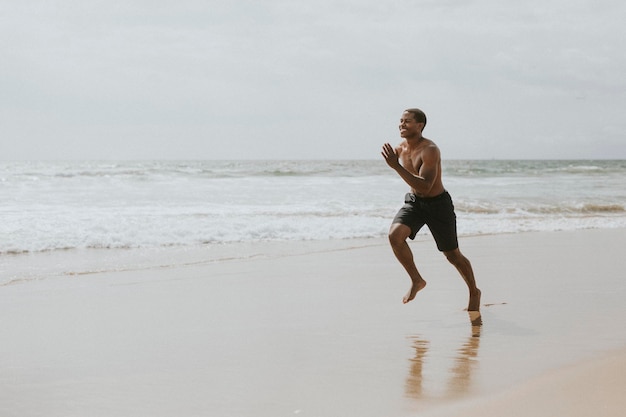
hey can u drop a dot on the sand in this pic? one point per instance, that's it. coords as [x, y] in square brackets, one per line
[592, 388]
[319, 329]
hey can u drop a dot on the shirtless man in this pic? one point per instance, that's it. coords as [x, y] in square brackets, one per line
[418, 162]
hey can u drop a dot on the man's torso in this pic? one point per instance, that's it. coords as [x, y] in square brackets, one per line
[412, 160]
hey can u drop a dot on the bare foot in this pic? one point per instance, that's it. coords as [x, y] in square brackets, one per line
[474, 301]
[417, 286]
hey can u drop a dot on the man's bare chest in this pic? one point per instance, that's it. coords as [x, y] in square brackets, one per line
[412, 161]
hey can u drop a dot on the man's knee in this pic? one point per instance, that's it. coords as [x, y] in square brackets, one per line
[398, 234]
[454, 256]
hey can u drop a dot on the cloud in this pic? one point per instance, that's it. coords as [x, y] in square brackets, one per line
[295, 79]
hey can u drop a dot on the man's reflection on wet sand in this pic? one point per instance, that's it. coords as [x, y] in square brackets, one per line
[459, 382]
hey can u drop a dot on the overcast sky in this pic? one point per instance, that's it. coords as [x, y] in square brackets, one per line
[283, 79]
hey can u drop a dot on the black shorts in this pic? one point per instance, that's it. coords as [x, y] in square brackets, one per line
[435, 212]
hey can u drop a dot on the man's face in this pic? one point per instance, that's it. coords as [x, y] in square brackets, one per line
[409, 127]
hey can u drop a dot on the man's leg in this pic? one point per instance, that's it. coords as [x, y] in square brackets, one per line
[398, 234]
[464, 267]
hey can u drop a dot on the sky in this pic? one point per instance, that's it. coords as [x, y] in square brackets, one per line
[292, 79]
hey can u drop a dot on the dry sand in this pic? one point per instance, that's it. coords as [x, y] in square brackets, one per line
[321, 331]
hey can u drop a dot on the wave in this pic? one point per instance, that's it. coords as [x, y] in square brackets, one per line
[108, 205]
[600, 208]
[146, 171]
[298, 228]
[565, 209]
[202, 170]
[531, 168]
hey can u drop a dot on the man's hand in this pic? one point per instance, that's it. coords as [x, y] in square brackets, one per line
[390, 155]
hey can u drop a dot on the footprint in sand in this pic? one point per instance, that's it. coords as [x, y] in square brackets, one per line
[493, 304]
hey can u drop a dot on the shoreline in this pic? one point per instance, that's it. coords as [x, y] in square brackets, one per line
[317, 329]
[33, 266]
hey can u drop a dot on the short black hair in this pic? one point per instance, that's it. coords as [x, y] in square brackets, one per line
[420, 116]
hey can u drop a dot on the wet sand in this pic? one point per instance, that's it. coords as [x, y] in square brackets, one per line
[321, 330]
[591, 388]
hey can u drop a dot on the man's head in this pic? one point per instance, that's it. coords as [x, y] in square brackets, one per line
[412, 123]
[418, 115]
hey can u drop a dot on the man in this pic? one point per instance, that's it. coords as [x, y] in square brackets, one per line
[418, 162]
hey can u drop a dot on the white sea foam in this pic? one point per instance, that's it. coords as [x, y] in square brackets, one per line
[73, 205]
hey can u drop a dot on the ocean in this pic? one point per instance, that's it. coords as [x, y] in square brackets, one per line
[196, 205]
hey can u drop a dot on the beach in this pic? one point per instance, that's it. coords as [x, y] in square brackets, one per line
[319, 329]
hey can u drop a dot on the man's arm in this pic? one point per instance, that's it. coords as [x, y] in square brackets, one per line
[423, 182]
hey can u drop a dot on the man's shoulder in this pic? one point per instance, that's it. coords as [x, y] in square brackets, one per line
[430, 151]
[425, 145]
[429, 142]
